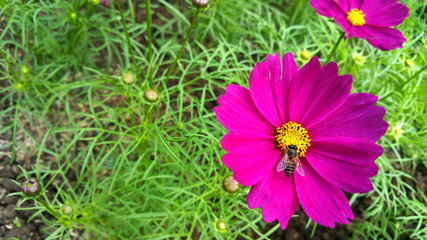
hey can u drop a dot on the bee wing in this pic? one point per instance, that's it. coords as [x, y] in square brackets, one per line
[299, 167]
[283, 163]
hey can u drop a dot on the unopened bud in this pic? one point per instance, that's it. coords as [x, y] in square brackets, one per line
[306, 55]
[151, 95]
[73, 16]
[201, 3]
[128, 78]
[31, 187]
[25, 70]
[18, 86]
[67, 209]
[230, 185]
[94, 2]
[409, 63]
[359, 59]
[221, 226]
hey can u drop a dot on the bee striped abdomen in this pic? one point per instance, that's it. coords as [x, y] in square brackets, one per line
[290, 169]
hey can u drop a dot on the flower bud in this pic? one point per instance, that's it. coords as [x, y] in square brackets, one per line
[409, 63]
[94, 2]
[67, 209]
[230, 185]
[201, 3]
[306, 55]
[397, 131]
[31, 187]
[73, 16]
[128, 78]
[359, 59]
[221, 226]
[151, 95]
[25, 70]
[18, 86]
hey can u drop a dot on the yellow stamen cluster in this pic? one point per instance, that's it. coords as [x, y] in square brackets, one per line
[356, 17]
[293, 134]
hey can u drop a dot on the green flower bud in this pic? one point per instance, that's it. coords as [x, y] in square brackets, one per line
[151, 95]
[67, 209]
[94, 2]
[306, 55]
[25, 70]
[397, 131]
[18, 86]
[359, 59]
[73, 16]
[128, 78]
[201, 3]
[230, 185]
[221, 226]
[31, 187]
[409, 63]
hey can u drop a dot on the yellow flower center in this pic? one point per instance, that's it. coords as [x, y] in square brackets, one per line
[292, 134]
[356, 17]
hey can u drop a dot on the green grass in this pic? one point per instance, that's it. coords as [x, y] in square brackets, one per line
[129, 175]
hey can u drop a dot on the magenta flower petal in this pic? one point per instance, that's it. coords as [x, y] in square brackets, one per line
[318, 95]
[298, 98]
[290, 69]
[358, 117]
[237, 104]
[355, 3]
[347, 163]
[104, 2]
[380, 37]
[277, 196]
[263, 81]
[249, 168]
[373, 6]
[327, 8]
[391, 15]
[322, 201]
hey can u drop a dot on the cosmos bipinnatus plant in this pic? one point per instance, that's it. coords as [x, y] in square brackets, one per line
[204, 119]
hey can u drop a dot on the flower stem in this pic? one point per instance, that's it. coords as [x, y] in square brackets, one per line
[48, 208]
[150, 41]
[335, 48]
[193, 23]
[7, 62]
[125, 28]
[414, 76]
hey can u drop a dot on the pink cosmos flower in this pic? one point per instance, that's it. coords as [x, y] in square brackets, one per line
[312, 109]
[106, 3]
[367, 19]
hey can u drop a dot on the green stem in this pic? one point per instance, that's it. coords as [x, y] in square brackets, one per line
[414, 76]
[150, 41]
[7, 62]
[193, 23]
[148, 15]
[335, 47]
[125, 28]
[48, 208]
[90, 9]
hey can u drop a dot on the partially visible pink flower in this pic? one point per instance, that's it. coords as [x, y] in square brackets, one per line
[311, 108]
[106, 3]
[367, 19]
